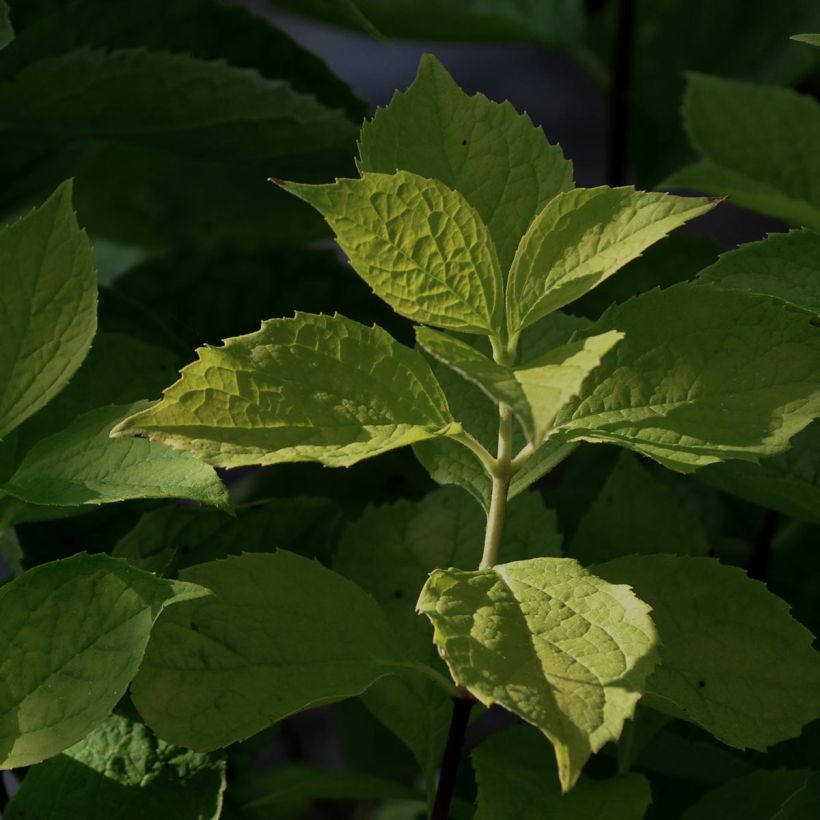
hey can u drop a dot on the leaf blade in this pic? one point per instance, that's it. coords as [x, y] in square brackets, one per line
[296, 391]
[49, 306]
[418, 244]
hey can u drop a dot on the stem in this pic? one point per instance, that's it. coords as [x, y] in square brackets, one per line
[501, 486]
[619, 95]
[475, 446]
[452, 756]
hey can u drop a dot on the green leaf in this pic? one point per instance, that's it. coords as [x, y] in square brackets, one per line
[142, 195]
[199, 108]
[759, 147]
[788, 482]
[48, 304]
[537, 391]
[494, 157]
[311, 388]
[81, 464]
[74, 634]
[420, 245]
[172, 537]
[201, 28]
[785, 266]
[637, 512]
[282, 634]
[519, 756]
[535, 21]
[810, 39]
[732, 658]
[581, 238]
[550, 642]
[762, 795]
[123, 772]
[703, 375]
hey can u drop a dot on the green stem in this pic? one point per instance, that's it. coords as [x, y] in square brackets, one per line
[501, 485]
[474, 445]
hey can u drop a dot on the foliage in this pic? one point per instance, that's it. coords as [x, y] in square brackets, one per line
[622, 427]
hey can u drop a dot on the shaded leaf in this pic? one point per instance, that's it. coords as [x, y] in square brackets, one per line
[199, 108]
[201, 28]
[74, 634]
[785, 266]
[518, 757]
[788, 482]
[122, 771]
[759, 147]
[702, 375]
[732, 658]
[776, 795]
[81, 464]
[48, 304]
[239, 670]
[636, 512]
[169, 538]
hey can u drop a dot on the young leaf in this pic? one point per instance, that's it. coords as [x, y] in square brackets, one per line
[418, 244]
[448, 462]
[535, 391]
[201, 108]
[762, 795]
[551, 381]
[74, 634]
[494, 157]
[48, 307]
[282, 634]
[518, 755]
[581, 238]
[703, 375]
[635, 512]
[550, 642]
[122, 757]
[789, 481]
[311, 388]
[81, 464]
[785, 266]
[732, 659]
[759, 145]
